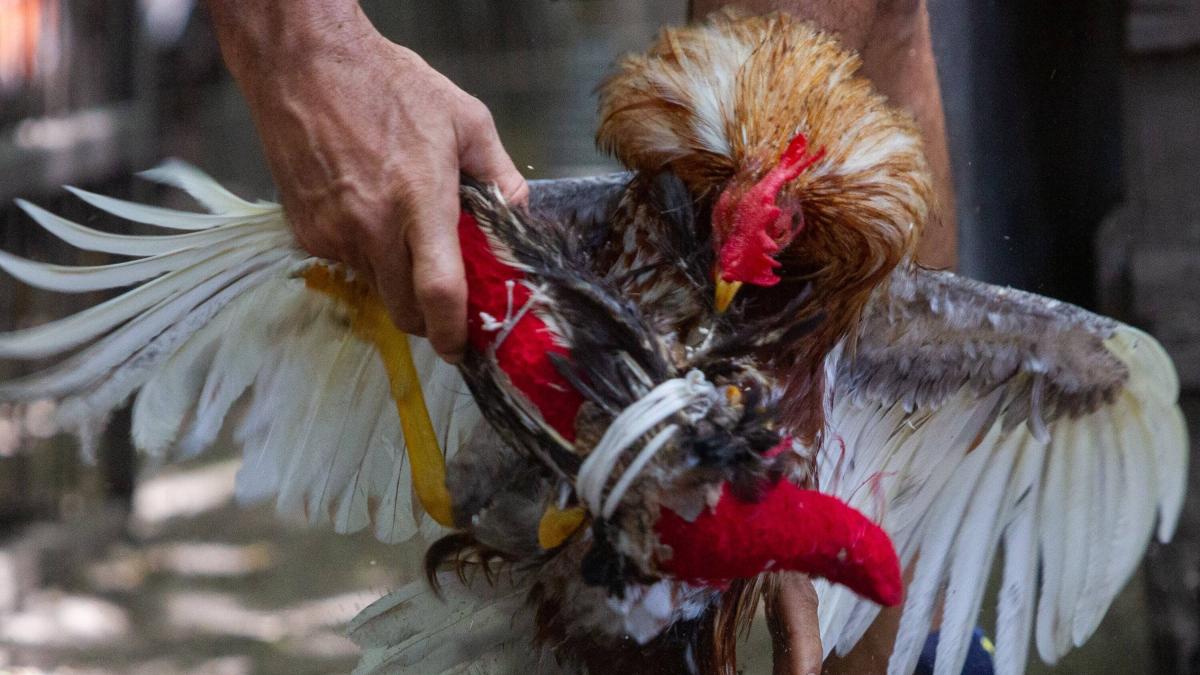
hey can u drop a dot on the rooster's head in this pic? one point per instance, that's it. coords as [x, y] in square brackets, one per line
[808, 172]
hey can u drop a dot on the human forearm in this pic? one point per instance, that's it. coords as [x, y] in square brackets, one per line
[850, 19]
[898, 57]
[257, 36]
[894, 40]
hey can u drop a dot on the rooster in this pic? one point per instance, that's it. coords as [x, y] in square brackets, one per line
[720, 365]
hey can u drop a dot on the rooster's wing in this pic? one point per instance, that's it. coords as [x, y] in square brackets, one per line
[966, 415]
[216, 325]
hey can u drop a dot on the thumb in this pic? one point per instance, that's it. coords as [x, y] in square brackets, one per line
[481, 155]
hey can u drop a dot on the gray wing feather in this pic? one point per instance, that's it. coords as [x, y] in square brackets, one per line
[971, 419]
[585, 201]
[929, 334]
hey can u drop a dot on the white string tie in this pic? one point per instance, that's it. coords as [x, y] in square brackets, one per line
[512, 314]
[692, 395]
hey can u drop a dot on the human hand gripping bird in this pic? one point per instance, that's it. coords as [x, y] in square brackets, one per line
[696, 377]
[369, 174]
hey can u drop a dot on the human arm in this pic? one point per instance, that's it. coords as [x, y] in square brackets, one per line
[792, 619]
[366, 143]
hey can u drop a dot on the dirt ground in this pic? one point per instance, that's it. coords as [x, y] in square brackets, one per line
[190, 583]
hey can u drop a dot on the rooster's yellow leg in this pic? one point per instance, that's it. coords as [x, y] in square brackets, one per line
[370, 321]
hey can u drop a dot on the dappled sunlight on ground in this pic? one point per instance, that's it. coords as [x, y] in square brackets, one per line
[193, 585]
[58, 619]
[184, 493]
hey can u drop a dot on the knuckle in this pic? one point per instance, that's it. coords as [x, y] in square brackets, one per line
[439, 292]
[519, 194]
[414, 198]
[477, 116]
[407, 192]
[447, 348]
[446, 333]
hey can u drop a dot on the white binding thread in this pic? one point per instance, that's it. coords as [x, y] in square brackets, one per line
[512, 315]
[692, 394]
[490, 323]
[635, 468]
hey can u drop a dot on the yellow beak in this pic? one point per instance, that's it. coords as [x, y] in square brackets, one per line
[725, 292]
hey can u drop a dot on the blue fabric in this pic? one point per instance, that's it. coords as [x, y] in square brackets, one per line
[979, 657]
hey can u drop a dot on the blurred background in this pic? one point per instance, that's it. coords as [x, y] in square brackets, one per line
[1074, 128]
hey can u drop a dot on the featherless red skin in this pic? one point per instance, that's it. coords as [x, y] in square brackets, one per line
[524, 353]
[750, 229]
[788, 529]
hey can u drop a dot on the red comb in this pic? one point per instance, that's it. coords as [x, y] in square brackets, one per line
[748, 253]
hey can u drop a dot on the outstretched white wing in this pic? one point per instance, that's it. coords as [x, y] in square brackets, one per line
[966, 416]
[217, 326]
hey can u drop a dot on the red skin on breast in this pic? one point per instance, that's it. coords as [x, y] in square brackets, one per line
[524, 352]
[788, 529]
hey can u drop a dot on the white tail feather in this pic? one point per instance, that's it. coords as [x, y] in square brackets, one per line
[139, 245]
[155, 215]
[203, 189]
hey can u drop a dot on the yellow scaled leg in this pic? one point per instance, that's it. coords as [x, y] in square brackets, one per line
[370, 321]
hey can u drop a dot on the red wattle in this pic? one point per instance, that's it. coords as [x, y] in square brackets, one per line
[788, 529]
[524, 354]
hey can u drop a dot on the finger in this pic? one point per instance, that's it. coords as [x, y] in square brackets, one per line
[795, 630]
[393, 281]
[438, 280]
[482, 156]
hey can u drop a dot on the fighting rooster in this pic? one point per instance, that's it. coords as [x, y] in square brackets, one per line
[718, 366]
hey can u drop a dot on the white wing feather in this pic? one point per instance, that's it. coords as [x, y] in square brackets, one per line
[217, 323]
[1071, 492]
[468, 629]
[204, 189]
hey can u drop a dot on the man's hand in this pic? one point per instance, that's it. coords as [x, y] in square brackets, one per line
[366, 143]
